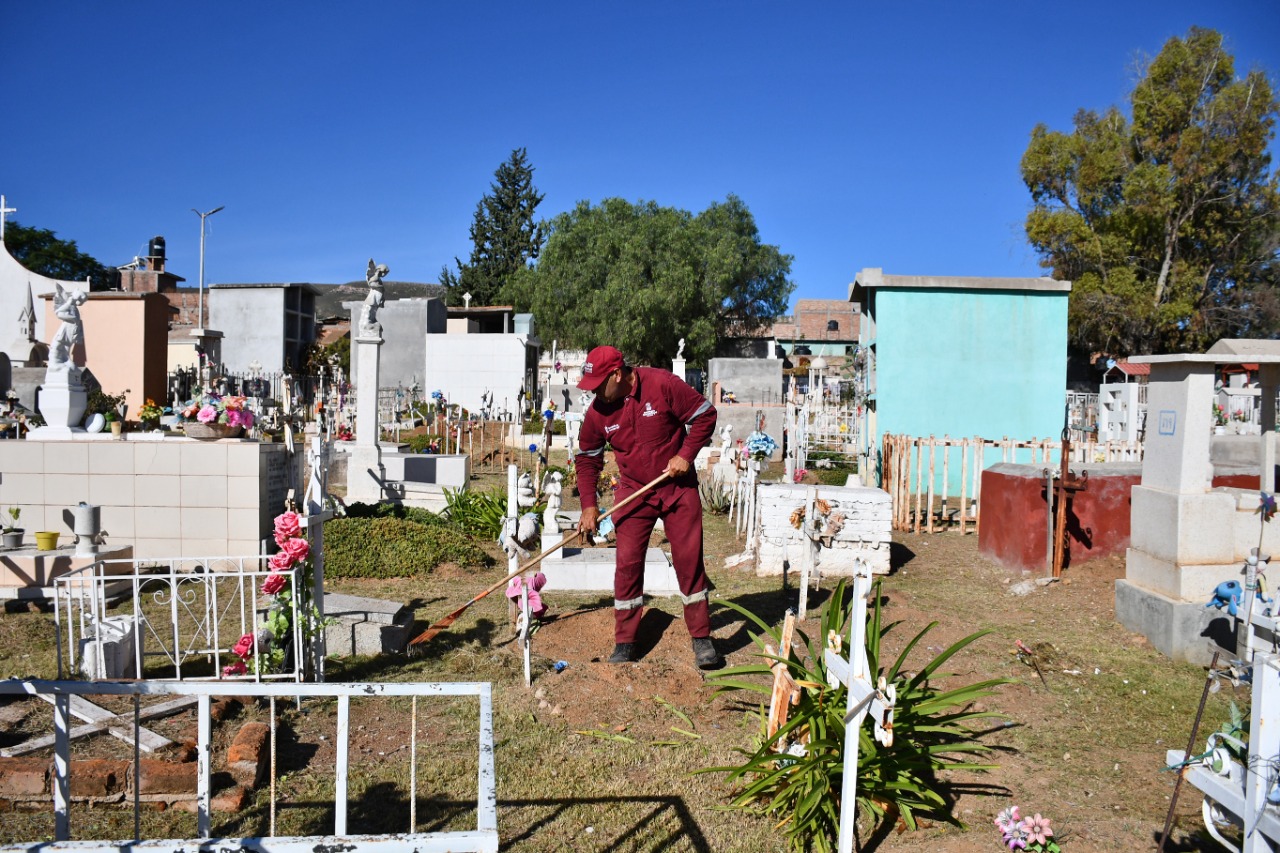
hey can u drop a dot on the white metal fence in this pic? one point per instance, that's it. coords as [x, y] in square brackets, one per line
[484, 838]
[186, 612]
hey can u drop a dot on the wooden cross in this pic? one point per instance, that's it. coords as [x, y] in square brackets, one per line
[785, 690]
[1067, 484]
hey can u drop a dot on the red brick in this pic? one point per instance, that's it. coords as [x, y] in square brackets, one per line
[233, 799]
[23, 777]
[97, 777]
[223, 708]
[167, 777]
[248, 757]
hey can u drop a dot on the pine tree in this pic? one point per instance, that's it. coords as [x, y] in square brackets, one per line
[504, 234]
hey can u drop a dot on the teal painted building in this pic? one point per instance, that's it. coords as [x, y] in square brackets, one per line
[963, 357]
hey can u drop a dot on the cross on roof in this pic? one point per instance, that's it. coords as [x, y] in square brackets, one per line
[3, 210]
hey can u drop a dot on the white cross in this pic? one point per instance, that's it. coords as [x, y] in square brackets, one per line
[3, 210]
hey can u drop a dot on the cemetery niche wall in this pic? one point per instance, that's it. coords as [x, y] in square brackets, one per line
[1187, 534]
[992, 362]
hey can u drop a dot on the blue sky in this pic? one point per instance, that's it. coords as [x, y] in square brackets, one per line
[859, 134]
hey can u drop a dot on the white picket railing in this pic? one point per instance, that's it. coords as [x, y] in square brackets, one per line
[189, 611]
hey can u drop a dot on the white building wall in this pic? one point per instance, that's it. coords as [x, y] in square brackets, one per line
[251, 320]
[463, 367]
[17, 285]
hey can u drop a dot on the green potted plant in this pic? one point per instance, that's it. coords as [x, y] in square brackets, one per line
[114, 422]
[12, 535]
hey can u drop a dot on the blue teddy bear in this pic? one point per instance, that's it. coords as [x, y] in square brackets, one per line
[1227, 594]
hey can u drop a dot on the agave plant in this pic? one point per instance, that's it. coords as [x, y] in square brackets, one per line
[796, 775]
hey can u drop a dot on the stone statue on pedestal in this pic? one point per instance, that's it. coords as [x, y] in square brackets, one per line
[66, 307]
[680, 349]
[369, 325]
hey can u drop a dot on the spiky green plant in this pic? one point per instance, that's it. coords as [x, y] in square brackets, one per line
[931, 733]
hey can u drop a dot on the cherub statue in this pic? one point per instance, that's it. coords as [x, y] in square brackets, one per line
[369, 325]
[66, 307]
[552, 486]
[524, 491]
[680, 349]
[726, 443]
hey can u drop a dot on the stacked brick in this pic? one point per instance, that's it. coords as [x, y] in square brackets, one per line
[862, 529]
[26, 782]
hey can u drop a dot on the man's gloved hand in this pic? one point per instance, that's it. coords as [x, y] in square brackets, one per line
[590, 520]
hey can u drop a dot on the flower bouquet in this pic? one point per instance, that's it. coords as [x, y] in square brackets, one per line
[214, 416]
[265, 650]
[760, 446]
[1032, 834]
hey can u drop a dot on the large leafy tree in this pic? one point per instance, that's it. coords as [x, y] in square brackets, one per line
[641, 277]
[505, 237]
[1168, 223]
[40, 250]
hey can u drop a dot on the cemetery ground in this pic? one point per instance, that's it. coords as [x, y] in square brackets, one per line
[601, 757]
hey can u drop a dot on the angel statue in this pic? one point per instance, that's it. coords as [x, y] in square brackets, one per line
[552, 486]
[66, 307]
[726, 443]
[680, 350]
[369, 325]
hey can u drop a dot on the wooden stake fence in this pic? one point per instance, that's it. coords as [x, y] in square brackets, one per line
[905, 458]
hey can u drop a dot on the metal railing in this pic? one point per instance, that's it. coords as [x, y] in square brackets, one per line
[484, 838]
[192, 609]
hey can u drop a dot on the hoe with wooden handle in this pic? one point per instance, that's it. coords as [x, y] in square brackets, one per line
[444, 623]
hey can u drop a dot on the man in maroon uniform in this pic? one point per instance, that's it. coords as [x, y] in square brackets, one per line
[642, 414]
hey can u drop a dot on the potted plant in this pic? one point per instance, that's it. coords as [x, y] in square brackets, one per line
[114, 422]
[12, 535]
[149, 413]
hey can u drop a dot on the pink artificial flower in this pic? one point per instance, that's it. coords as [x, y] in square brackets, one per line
[207, 414]
[281, 561]
[288, 526]
[297, 548]
[246, 418]
[233, 417]
[237, 668]
[1037, 829]
[274, 583]
[244, 646]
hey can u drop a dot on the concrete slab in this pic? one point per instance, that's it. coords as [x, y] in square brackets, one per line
[591, 570]
[1182, 630]
[365, 626]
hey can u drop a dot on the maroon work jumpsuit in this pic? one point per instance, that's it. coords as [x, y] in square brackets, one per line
[645, 429]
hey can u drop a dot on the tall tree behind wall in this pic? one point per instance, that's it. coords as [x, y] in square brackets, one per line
[641, 277]
[1168, 224]
[505, 237]
[40, 250]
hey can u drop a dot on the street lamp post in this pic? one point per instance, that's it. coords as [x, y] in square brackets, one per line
[203, 217]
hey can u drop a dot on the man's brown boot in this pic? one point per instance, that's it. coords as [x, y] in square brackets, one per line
[705, 654]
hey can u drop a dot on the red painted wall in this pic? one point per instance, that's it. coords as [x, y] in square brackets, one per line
[1013, 531]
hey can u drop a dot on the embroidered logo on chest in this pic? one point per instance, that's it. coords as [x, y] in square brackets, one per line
[649, 411]
[610, 429]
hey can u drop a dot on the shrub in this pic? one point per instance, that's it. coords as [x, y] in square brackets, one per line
[930, 734]
[534, 426]
[424, 443]
[480, 514]
[389, 547]
[390, 510]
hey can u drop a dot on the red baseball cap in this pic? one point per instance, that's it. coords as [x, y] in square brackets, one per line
[600, 362]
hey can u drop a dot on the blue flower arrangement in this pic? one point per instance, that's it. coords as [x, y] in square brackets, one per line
[760, 446]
